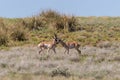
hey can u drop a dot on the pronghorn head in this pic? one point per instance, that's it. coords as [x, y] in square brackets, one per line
[56, 40]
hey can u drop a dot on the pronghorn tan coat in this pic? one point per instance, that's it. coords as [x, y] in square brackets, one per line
[70, 45]
[48, 45]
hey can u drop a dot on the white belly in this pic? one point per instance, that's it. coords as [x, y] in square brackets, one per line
[71, 46]
[47, 45]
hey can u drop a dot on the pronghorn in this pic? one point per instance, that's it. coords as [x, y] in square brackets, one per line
[69, 45]
[48, 45]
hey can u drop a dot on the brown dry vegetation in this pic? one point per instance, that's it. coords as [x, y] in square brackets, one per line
[32, 30]
[99, 38]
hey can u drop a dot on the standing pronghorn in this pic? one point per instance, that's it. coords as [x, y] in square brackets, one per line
[69, 45]
[48, 45]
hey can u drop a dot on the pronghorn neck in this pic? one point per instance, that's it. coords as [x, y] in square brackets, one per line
[54, 42]
[63, 44]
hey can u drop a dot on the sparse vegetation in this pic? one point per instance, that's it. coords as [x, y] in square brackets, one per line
[25, 63]
[99, 38]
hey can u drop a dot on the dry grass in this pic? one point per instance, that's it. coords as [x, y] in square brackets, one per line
[24, 63]
[87, 30]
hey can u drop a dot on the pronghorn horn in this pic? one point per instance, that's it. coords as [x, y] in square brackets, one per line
[55, 35]
[63, 39]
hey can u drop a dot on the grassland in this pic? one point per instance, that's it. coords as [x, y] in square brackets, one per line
[100, 45]
[95, 63]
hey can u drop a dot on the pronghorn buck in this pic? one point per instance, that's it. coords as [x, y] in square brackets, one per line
[48, 45]
[69, 45]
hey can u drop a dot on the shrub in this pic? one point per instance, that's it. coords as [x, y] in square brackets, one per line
[52, 19]
[19, 34]
[60, 71]
[58, 25]
[72, 23]
[3, 38]
[66, 23]
[50, 14]
[34, 23]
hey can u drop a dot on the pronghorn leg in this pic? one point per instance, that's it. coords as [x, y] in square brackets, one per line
[48, 50]
[79, 51]
[40, 50]
[65, 51]
[54, 50]
[68, 51]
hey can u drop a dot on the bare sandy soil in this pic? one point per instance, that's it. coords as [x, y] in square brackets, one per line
[94, 62]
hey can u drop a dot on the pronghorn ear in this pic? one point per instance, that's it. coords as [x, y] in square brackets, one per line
[53, 37]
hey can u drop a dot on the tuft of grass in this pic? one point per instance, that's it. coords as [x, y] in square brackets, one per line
[60, 72]
[3, 65]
